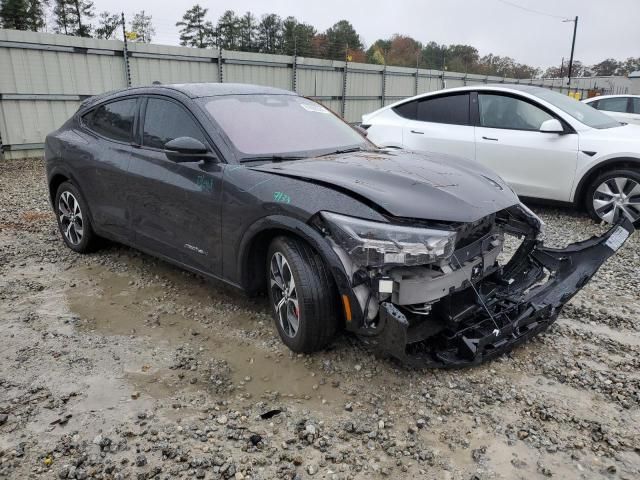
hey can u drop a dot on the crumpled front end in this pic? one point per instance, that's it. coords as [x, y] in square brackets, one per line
[468, 308]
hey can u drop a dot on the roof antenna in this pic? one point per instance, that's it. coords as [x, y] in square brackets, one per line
[156, 82]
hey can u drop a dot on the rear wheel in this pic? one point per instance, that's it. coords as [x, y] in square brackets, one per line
[73, 219]
[302, 294]
[613, 195]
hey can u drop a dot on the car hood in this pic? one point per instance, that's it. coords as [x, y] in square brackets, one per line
[407, 184]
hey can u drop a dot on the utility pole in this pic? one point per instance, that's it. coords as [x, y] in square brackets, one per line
[573, 44]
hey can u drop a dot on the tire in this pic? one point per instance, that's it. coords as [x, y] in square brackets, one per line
[604, 190]
[73, 219]
[313, 289]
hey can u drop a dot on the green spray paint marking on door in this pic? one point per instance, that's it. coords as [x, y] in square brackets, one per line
[205, 183]
[281, 197]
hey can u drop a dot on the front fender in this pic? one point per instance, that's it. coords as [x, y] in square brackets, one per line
[280, 223]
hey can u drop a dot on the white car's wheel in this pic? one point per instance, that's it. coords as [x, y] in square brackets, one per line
[613, 195]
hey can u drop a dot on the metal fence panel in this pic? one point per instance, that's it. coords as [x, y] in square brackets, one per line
[43, 77]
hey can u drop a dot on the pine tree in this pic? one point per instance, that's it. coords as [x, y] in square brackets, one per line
[141, 25]
[342, 36]
[228, 31]
[72, 17]
[248, 28]
[36, 16]
[108, 24]
[14, 14]
[270, 34]
[63, 17]
[83, 11]
[195, 31]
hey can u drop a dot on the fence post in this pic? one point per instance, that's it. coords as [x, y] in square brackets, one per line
[344, 87]
[294, 77]
[220, 72]
[417, 75]
[383, 93]
[125, 51]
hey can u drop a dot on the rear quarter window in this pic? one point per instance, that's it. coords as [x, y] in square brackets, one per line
[113, 120]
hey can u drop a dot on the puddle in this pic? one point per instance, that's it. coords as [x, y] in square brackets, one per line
[108, 303]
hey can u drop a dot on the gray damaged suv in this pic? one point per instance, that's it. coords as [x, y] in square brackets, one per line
[271, 192]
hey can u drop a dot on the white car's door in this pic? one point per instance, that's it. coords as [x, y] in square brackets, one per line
[508, 140]
[439, 124]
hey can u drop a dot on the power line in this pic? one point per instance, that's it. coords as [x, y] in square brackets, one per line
[530, 10]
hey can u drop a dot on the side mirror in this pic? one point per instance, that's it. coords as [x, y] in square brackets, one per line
[186, 149]
[551, 126]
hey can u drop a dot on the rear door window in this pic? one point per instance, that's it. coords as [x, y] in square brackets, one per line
[113, 120]
[450, 109]
[618, 104]
[164, 121]
[635, 105]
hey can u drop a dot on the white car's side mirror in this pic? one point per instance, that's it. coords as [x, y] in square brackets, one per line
[551, 126]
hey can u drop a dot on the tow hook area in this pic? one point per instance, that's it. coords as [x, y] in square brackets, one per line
[511, 307]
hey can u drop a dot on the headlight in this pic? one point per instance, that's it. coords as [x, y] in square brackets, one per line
[375, 244]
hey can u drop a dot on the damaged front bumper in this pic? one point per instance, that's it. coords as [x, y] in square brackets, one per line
[505, 309]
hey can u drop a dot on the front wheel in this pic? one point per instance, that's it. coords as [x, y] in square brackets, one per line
[613, 195]
[302, 294]
[73, 219]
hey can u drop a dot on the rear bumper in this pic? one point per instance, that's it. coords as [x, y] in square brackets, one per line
[511, 305]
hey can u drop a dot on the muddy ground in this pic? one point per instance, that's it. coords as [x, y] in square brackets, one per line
[118, 365]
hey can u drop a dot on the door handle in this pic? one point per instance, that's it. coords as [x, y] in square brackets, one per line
[490, 138]
[417, 131]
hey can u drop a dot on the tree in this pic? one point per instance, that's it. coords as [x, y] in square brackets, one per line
[143, 28]
[342, 36]
[270, 34]
[82, 11]
[228, 31]
[36, 14]
[607, 67]
[433, 55]
[108, 24]
[72, 17]
[247, 31]
[297, 38]
[195, 31]
[14, 14]
[461, 58]
[63, 17]
[403, 51]
[630, 65]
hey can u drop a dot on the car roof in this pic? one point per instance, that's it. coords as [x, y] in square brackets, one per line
[599, 97]
[191, 90]
[197, 90]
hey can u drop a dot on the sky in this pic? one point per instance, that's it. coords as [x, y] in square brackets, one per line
[503, 27]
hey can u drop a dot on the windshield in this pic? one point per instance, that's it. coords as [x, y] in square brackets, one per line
[282, 125]
[578, 110]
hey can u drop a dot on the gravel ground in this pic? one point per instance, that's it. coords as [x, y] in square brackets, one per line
[118, 365]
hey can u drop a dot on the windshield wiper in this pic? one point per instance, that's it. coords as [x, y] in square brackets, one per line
[344, 150]
[271, 158]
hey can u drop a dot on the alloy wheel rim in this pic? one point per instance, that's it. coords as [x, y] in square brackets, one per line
[70, 216]
[617, 197]
[284, 295]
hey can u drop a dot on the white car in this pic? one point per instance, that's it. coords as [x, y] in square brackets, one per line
[544, 144]
[624, 108]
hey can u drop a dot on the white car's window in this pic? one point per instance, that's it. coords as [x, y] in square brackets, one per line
[501, 111]
[635, 105]
[618, 104]
[580, 111]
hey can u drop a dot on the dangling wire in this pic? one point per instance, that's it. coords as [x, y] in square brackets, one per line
[496, 332]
